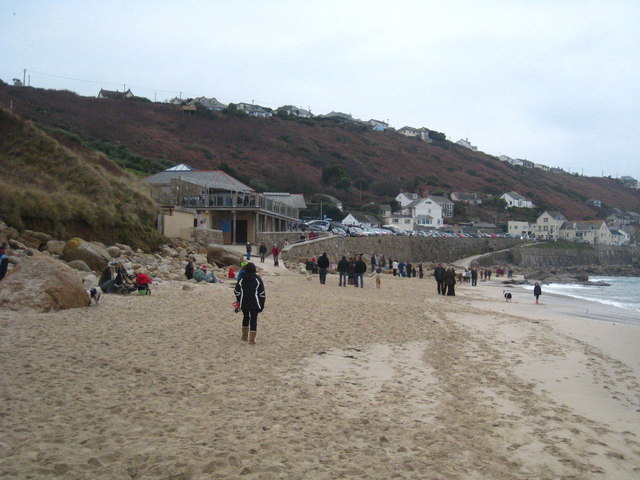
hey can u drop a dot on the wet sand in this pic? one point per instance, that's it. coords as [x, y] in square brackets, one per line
[344, 383]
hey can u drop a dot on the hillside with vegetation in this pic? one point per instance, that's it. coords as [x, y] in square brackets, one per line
[67, 192]
[352, 162]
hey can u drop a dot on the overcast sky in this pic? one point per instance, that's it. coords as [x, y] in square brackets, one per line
[556, 82]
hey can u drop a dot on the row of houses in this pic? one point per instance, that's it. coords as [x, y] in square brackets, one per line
[553, 225]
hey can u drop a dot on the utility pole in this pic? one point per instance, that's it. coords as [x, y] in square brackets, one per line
[24, 77]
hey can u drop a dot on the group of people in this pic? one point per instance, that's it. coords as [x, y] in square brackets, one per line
[114, 278]
[445, 280]
[351, 271]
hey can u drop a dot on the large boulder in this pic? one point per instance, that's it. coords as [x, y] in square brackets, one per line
[79, 265]
[92, 254]
[218, 255]
[35, 240]
[126, 250]
[167, 251]
[43, 283]
[114, 251]
[55, 247]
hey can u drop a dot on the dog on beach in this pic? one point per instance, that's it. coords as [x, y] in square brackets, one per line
[94, 295]
[507, 295]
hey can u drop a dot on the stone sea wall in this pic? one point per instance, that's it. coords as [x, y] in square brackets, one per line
[532, 257]
[413, 249]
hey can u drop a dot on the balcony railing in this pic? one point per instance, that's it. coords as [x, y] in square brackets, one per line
[238, 201]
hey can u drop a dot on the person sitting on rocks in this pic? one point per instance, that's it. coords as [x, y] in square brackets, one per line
[107, 280]
[123, 283]
[201, 275]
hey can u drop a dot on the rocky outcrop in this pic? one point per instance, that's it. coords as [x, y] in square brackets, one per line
[43, 283]
[218, 255]
[93, 255]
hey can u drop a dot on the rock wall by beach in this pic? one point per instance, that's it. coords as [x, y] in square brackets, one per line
[601, 255]
[609, 260]
[414, 249]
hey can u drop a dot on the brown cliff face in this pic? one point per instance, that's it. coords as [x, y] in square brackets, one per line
[290, 155]
[51, 188]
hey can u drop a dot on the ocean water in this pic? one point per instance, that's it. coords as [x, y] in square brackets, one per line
[623, 292]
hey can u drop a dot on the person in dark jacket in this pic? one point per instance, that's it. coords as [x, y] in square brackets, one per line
[537, 291]
[250, 298]
[4, 260]
[474, 277]
[343, 270]
[450, 282]
[188, 269]
[361, 269]
[438, 273]
[263, 252]
[323, 266]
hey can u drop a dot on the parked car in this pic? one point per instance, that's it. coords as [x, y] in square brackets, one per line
[356, 232]
[322, 224]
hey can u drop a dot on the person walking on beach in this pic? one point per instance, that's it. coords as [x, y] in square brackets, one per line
[249, 248]
[262, 251]
[361, 269]
[250, 298]
[275, 251]
[438, 274]
[395, 267]
[323, 265]
[420, 272]
[474, 277]
[343, 270]
[537, 291]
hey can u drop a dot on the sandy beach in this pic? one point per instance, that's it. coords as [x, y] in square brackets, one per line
[344, 383]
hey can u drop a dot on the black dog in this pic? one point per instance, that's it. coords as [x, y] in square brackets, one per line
[507, 295]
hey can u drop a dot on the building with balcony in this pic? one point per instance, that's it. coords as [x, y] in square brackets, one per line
[212, 199]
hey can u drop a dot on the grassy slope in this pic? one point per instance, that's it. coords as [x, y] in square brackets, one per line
[45, 186]
[290, 155]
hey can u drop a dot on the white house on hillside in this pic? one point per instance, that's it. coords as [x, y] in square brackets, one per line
[405, 198]
[465, 143]
[295, 111]
[418, 212]
[421, 133]
[514, 199]
[445, 203]
[254, 110]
